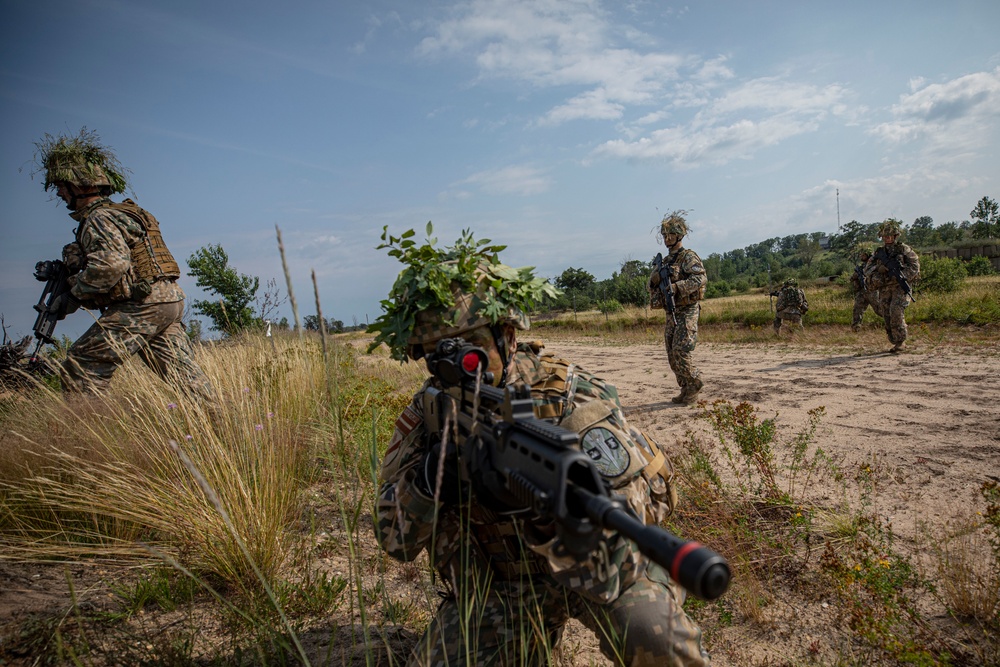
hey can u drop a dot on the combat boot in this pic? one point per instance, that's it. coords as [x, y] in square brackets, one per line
[898, 347]
[856, 327]
[690, 392]
[679, 398]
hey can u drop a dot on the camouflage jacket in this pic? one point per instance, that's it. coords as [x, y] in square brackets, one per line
[909, 264]
[408, 521]
[104, 240]
[687, 273]
[791, 301]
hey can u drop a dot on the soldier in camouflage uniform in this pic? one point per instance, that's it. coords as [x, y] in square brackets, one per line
[791, 305]
[687, 282]
[893, 298]
[120, 266]
[510, 586]
[864, 296]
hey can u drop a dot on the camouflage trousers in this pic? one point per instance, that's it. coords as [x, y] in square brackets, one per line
[680, 340]
[793, 320]
[521, 623]
[893, 302]
[863, 299]
[153, 331]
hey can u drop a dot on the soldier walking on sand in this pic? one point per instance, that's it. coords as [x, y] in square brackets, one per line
[791, 306]
[687, 284]
[892, 270]
[864, 296]
[120, 266]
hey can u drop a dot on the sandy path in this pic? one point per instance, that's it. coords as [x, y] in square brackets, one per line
[934, 416]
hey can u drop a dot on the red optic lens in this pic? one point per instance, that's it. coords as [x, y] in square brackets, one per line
[470, 362]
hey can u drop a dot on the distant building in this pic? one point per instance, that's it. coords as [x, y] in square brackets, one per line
[824, 242]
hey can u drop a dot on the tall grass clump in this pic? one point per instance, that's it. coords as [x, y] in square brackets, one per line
[95, 475]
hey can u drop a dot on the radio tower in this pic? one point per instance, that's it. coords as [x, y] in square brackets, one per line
[838, 209]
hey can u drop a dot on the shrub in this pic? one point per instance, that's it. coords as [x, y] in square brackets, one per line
[941, 275]
[979, 266]
[717, 288]
[610, 306]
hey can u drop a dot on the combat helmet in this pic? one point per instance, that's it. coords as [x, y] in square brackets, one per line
[890, 227]
[674, 223]
[81, 161]
[790, 282]
[446, 292]
[861, 250]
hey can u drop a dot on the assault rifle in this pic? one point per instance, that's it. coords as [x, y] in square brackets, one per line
[668, 295]
[55, 274]
[859, 273]
[517, 464]
[895, 270]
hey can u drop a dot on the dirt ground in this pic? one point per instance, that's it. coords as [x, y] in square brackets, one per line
[931, 415]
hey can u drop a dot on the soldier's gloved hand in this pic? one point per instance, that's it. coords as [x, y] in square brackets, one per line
[882, 268]
[72, 256]
[63, 305]
[443, 483]
[675, 272]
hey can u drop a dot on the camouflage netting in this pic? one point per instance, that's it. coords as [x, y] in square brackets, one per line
[81, 160]
[13, 362]
[675, 223]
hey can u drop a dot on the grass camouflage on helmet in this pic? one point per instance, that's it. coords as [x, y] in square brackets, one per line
[674, 223]
[890, 227]
[444, 291]
[80, 160]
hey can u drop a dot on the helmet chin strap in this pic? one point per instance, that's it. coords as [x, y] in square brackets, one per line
[501, 342]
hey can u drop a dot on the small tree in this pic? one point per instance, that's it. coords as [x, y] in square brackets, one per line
[987, 217]
[231, 312]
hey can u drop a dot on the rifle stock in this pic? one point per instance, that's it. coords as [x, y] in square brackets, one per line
[518, 464]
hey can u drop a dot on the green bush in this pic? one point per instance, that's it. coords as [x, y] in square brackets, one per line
[610, 306]
[717, 288]
[979, 266]
[941, 275]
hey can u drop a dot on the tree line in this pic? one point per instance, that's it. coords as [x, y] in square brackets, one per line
[237, 306]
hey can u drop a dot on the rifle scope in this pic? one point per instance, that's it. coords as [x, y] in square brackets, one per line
[456, 362]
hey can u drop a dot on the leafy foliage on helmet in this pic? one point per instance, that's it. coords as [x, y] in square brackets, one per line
[862, 250]
[890, 227]
[790, 282]
[80, 160]
[674, 223]
[441, 285]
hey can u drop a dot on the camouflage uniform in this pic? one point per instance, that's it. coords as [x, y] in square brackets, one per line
[864, 296]
[688, 275]
[893, 300]
[791, 306]
[510, 588]
[137, 316]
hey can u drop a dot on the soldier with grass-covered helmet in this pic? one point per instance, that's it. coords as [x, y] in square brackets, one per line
[687, 285]
[119, 265]
[509, 585]
[791, 305]
[892, 270]
[864, 295]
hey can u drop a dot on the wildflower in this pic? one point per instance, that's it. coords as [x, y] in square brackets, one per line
[858, 567]
[188, 437]
[171, 406]
[259, 427]
[246, 390]
[270, 414]
[798, 515]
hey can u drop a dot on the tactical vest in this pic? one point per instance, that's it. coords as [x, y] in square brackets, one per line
[151, 260]
[681, 300]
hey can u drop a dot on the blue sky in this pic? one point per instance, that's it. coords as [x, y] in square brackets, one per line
[563, 128]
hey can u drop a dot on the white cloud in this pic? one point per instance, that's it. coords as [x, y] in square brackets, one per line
[953, 114]
[515, 180]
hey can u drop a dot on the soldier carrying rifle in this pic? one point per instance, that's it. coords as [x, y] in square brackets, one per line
[117, 264]
[512, 581]
[892, 270]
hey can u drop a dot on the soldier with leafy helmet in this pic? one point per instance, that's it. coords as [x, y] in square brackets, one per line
[864, 295]
[892, 270]
[688, 280]
[526, 586]
[120, 266]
